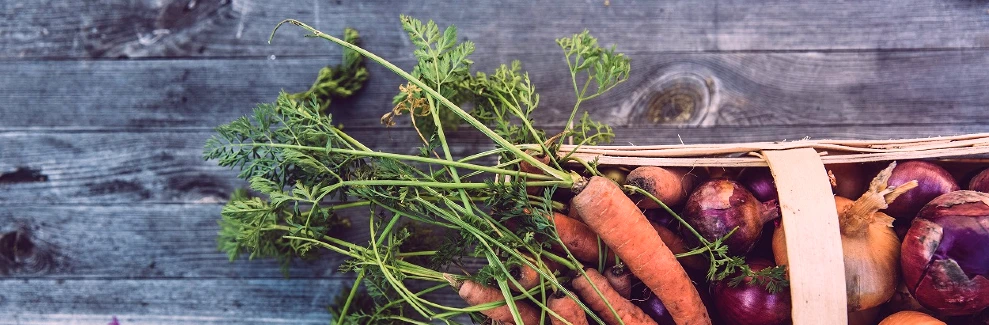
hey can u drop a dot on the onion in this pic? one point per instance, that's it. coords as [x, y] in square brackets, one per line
[748, 303]
[868, 243]
[760, 182]
[863, 317]
[847, 180]
[910, 317]
[650, 303]
[980, 182]
[903, 300]
[617, 174]
[720, 205]
[932, 181]
[946, 254]
[620, 279]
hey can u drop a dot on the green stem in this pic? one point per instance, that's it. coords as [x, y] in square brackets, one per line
[350, 297]
[387, 230]
[419, 253]
[446, 149]
[428, 160]
[350, 139]
[560, 175]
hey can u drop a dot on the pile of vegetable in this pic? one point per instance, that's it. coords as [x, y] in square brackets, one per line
[528, 234]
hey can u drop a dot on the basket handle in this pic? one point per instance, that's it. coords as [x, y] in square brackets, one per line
[816, 270]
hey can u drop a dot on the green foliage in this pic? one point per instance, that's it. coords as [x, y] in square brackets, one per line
[424, 216]
[443, 64]
[255, 226]
[338, 81]
[602, 66]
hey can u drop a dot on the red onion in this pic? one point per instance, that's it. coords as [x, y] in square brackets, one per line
[760, 182]
[980, 182]
[932, 181]
[720, 205]
[650, 303]
[848, 180]
[945, 255]
[748, 303]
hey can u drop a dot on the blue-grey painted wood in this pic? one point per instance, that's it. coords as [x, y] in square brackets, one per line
[687, 89]
[100, 156]
[228, 28]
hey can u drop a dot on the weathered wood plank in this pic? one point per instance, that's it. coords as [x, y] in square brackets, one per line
[144, 241]
[165, 167]
[165, 301]
[182, 301]
[724, 89]
[221, 28]
[152, 167]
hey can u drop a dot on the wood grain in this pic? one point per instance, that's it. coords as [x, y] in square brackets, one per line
[815, 266]
[151, 167]
[723, 89]
[227, 28]
[145, 241]
[100, 163]
[168, 301]
[91, 167]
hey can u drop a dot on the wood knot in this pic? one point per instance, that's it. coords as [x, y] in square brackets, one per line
[19, 254]
[682, 98]
[674, 105]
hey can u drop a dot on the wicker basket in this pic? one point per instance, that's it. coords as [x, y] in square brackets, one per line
[817, 280]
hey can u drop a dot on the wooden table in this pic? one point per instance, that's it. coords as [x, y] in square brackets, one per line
[108, 208]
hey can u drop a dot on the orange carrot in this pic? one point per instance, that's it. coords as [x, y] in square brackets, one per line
[475, 294]
[526, 167]
[579, 240]
[620, 279]
[677, 246]
[527, 276]
[568, 309]
[672, 186]
[627, 312]
[623, 227]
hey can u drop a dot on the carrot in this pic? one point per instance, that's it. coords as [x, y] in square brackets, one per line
[677, 246]
[526, 167]
[568, 309]
[672, 186]
[628, 312]
[623, 227]
[476, 294]
[620, 279]
[528, 277]
[578, 238]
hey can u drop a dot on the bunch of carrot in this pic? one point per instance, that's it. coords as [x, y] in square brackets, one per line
[526, 281]
[601, 213]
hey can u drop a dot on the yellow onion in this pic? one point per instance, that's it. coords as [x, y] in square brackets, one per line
[870, 247]
[909, 317]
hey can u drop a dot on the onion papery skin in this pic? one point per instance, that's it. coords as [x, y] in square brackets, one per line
[871, 260]
[750, 304]
[932, 181]
[909, 317]
[760, 182]
[849, 179]
[652, 306]
[945, 254]
[980, 182]
[719, 205]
